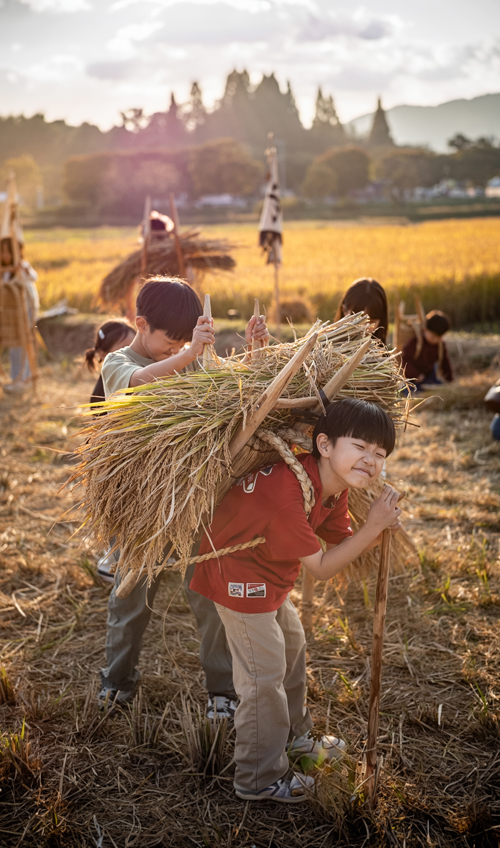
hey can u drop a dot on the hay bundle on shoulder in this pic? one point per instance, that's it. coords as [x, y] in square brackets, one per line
[156, 466]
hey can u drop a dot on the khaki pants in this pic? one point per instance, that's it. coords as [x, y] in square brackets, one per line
[269, 675]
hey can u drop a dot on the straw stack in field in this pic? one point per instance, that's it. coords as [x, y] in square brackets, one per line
[200, 254]
[155, 467]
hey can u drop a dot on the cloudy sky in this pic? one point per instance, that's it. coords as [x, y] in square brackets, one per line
[89, 59]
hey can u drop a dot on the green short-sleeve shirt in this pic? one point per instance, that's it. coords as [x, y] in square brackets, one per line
[118, 367]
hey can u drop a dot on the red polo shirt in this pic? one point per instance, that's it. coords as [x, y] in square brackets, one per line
[267, 503]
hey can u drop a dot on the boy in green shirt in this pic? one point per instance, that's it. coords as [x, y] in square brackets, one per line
[171, 334]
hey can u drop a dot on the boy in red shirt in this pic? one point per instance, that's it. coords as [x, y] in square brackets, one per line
[251, 587]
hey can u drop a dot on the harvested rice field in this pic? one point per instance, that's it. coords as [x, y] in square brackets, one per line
[71, 776]
[455, 264]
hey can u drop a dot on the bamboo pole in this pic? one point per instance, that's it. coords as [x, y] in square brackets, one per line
[208, 357]
[420, 310]
[146, 233]
[376, 664]
[178, 247]
[397, 322]
[130, 310]
[277, 304]
[307, 605]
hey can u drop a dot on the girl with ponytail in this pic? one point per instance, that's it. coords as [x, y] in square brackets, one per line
[111, 336]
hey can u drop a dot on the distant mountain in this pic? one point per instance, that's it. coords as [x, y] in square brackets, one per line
[432, 126]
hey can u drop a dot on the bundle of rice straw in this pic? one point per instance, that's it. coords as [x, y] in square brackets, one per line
[155, 467]
[201, 255]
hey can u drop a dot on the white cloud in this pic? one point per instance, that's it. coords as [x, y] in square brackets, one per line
[123, 53]
[125, 41]
[57, 5]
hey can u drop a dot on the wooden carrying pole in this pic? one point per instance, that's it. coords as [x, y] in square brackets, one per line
[268, 398]
[277, 302]
[177, 241]
[376, 664]
[208, 357]
[130, 310]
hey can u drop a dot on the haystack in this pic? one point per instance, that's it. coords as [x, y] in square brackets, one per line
[18, 296]
[156, 466]
[199, 254]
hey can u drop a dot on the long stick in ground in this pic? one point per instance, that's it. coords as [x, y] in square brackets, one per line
[376, 665]
[277, 304]
[177, 241]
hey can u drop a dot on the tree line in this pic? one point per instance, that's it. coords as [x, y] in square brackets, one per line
[189, 148]
[245, 113]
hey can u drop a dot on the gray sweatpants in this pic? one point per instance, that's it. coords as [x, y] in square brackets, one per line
[127, 620]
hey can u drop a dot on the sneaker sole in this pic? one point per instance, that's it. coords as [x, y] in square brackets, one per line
[106, 578]
[293, 799]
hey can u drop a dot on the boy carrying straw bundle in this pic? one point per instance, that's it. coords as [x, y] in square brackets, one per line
[250, 587]
[171, 334]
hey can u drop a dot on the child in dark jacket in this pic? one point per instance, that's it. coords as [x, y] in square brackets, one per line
[424, 357]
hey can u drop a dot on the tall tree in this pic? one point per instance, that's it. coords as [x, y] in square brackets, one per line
[380, 135]
[195, 114]
[223, 166]
[277, 112]
[235, 115]
[350, 165]
[165, 129]
[326, 128]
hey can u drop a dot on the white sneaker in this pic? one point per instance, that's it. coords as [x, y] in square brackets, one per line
[15, 388]
[104, 566]
[219, 707]
[290, 789]
[320, 749]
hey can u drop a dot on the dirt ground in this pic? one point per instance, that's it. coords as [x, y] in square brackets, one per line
[71, 776]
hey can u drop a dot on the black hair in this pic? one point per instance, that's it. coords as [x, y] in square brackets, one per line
[437, 322]
[6, 242]
[107, 336]
[367, 295]
[359, 419]
[171, 305]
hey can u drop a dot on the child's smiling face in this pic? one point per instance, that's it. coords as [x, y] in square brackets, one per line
[354, 462]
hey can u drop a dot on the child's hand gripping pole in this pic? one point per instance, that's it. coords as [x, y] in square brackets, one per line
[376, 663]
[208, 359]
[257, 344]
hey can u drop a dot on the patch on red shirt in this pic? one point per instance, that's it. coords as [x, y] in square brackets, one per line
[249, 482]
[256, 590]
